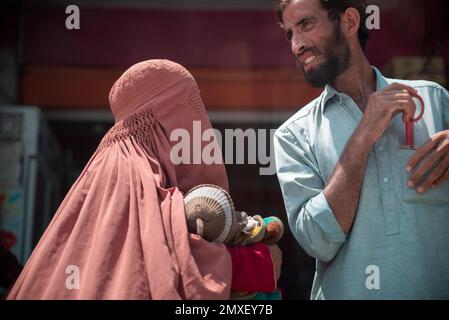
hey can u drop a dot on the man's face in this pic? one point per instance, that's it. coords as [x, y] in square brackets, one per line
[321, 50]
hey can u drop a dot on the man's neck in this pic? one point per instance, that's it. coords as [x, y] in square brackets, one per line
[358, 82]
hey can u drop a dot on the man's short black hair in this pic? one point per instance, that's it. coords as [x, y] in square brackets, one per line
[335, 8]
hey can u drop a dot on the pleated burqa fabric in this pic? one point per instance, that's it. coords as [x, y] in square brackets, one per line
[120, 232]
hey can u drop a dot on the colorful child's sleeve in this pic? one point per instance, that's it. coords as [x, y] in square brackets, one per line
[252, 269]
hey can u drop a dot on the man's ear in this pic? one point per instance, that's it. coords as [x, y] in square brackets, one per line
[350, 22]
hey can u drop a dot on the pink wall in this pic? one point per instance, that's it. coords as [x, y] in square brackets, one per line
[229, 39]
[113, 37]
[412, 28]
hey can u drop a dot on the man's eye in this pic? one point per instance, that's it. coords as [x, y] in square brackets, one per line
[288, 36]
[307, 25]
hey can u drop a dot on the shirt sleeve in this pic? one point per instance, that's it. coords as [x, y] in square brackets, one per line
[252, 269]
[310, 218]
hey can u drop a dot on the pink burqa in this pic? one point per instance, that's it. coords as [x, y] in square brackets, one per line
[120, 233]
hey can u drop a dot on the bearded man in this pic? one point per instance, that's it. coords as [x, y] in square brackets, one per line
[365, 187]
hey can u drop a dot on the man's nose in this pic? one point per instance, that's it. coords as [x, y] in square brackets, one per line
[298, 45]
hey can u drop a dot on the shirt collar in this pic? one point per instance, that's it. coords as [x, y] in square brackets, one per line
[329, 92]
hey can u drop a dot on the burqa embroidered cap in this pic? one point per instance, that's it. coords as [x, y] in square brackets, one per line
[120, 232]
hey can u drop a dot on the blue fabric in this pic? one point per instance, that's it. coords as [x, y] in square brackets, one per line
[268, 296]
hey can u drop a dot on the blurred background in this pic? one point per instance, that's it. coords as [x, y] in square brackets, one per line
[54, 84]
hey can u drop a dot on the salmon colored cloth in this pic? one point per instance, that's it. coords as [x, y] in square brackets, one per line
[121, 228]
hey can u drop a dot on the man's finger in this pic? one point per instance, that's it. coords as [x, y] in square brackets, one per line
[428, 163]
[421, 152]
[402, 102]
[398, 86]
[408, 108]
[442, 180]
[436, 174]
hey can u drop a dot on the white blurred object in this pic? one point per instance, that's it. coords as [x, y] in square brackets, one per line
[29, 180]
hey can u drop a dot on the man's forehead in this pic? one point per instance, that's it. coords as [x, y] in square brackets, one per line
[298, 9]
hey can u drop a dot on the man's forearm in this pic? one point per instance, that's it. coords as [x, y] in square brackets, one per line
[344, 188]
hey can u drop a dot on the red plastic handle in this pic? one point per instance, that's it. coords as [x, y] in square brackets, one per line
[409, 129]
[421, 114]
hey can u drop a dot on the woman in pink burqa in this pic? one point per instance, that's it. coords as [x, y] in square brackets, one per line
[121, 229]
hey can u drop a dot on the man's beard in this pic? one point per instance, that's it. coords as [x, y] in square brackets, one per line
[336, 61]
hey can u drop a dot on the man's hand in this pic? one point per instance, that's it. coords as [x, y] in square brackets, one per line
[433, 154]
[342, 192]
[383, 106]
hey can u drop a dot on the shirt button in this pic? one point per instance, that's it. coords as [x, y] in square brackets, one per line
[381, 148]
[386, 180]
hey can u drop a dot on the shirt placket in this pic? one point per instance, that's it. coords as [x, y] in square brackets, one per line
[385, 181]
[384, 170]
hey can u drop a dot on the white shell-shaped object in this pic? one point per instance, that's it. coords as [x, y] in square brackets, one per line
[209, 211]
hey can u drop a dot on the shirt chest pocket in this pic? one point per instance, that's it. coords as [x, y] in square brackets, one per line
[436, 196]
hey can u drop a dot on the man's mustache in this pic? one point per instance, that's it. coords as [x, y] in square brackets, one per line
[303, 51]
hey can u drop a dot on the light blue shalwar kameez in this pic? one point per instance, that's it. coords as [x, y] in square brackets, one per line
[398, 247]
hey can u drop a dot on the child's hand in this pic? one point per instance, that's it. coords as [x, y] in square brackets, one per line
[274, 230]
